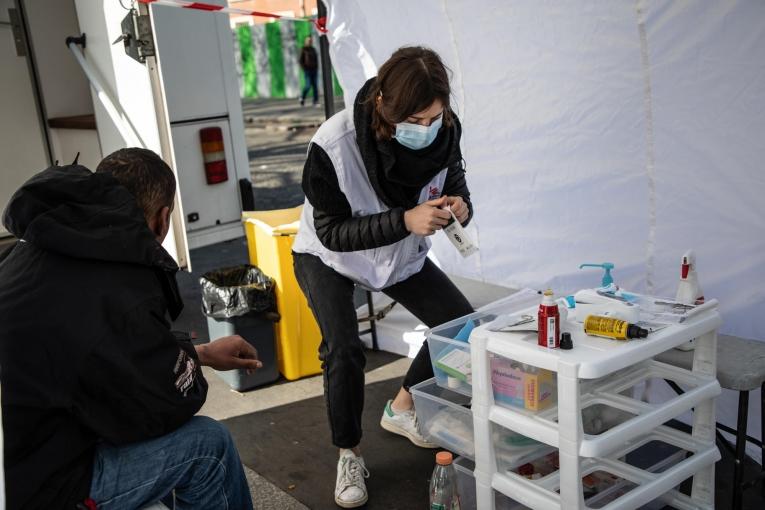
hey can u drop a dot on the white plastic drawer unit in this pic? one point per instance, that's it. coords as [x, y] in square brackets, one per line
[612, 371]
[449, 346]
[595, 421]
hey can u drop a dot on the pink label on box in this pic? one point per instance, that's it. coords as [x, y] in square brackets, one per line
[507, 382]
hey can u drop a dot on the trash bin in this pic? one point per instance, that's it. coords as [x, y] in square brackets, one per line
[270, 235]
[240, 301]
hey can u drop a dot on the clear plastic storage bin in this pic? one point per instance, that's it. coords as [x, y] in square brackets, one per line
[445, 418]
[599, 487]
[521, 386]
[449, 343]
[466, 488]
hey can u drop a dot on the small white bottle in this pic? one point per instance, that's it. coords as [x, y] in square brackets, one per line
[443, 484]
[689, 289]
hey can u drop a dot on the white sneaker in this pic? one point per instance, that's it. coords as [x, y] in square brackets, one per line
[350, 489]
[404, 423]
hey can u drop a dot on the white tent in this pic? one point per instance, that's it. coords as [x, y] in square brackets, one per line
[597, 131]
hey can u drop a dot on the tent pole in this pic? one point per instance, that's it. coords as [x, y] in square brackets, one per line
[326, 67]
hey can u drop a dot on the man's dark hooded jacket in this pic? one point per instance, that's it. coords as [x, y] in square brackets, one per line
[86, 351]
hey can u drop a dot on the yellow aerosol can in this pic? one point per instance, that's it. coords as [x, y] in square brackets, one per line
[609, 327]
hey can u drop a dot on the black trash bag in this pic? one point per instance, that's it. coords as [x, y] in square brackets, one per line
[234, 291]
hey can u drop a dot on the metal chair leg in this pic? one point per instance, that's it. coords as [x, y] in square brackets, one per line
[373, 317]
[372, 324]
[738, 468]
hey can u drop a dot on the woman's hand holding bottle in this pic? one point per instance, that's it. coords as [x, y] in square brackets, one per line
[427, 217]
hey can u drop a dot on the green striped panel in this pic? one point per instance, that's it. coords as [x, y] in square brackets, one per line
[260, 52]
[249, 76]
[275, 59]
[336, 88]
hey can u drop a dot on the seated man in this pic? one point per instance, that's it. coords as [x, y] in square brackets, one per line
[98, 395]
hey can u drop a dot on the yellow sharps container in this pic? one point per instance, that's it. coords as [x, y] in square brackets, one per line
[270, 235]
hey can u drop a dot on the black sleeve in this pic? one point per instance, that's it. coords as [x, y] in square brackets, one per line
[455, 184]
[334, 222]
[140, 382]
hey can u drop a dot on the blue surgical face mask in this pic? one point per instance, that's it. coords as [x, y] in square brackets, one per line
[415, 136]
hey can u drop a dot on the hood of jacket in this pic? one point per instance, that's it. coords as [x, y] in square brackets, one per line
[74, 212]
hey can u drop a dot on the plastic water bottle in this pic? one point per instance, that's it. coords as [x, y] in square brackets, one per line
[443, 484]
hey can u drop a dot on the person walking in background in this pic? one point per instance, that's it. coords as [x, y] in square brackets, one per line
[309, 61]
[378, 179]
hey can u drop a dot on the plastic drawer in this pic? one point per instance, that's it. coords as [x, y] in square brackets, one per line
[622, 480]
[513, 450]
[442, 340]
[445, 418]
[466, 488]
[519, 386]
[608, 488]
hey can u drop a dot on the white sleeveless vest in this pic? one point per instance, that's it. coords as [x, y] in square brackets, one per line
[375, 268]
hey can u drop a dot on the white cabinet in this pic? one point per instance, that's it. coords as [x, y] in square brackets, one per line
[600, 372]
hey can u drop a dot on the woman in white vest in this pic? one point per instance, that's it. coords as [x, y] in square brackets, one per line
[377, 180]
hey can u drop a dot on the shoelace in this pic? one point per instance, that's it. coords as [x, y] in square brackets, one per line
[415, 421]
[351, 473]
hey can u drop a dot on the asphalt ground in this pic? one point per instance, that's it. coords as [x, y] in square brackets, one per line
[278, 132]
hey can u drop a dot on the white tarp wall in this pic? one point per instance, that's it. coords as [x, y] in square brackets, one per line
[598, 131]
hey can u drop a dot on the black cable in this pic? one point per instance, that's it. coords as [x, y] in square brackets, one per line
[123, 6]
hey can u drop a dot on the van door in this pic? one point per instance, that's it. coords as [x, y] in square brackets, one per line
[137, 89]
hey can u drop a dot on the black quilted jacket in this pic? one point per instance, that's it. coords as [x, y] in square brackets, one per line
[335, 225]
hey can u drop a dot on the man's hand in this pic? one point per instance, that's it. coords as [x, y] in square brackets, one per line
[229, 353]
[459, 208]
[427, 217]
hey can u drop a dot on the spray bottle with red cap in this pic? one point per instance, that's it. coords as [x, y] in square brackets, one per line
[689, 289]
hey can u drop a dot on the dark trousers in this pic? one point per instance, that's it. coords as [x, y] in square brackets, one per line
[429, 295]
[310, 82]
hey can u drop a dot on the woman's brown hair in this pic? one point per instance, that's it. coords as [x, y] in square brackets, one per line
[407, 83]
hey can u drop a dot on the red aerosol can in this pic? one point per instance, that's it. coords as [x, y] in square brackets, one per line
[549, 322]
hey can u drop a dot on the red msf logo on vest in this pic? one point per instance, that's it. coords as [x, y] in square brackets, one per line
[433, 192]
